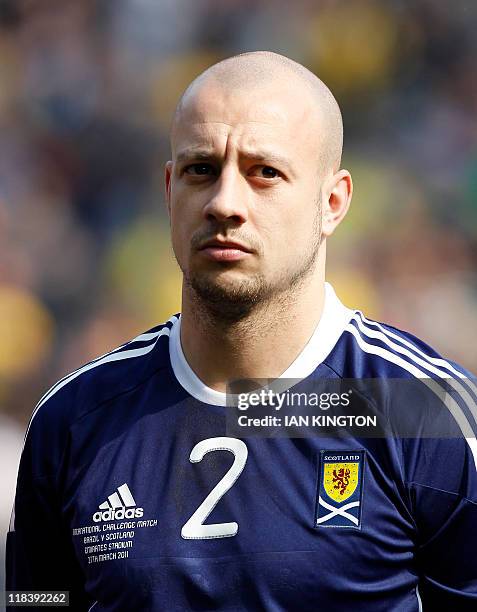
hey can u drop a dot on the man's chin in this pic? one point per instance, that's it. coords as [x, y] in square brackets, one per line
[238, 292]
[227, 298]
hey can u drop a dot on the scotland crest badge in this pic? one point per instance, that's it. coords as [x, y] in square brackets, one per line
[340, 489]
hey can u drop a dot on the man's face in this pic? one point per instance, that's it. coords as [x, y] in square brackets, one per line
[243, 193]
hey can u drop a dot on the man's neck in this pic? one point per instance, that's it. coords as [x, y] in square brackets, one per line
[263, 345]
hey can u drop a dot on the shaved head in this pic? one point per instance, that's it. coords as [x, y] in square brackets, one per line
[260, 70]
[256, 150]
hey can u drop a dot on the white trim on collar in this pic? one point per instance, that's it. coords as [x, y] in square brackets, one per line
[332, 323]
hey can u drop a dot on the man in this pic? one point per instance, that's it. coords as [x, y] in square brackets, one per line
[132, 496]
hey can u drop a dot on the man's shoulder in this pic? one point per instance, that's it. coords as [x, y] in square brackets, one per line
[106, 376]
[370, 349]
[421, 393]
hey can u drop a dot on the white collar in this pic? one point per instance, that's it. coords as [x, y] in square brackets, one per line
[333, 320]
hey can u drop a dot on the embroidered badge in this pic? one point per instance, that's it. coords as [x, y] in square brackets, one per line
[340, 489]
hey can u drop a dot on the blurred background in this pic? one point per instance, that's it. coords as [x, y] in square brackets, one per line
[87, 89]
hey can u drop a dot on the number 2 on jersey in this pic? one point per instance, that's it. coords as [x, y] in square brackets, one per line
[195, 529]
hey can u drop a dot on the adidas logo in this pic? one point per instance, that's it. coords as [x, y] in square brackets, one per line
[119, 505]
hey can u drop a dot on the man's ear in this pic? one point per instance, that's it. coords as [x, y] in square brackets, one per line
[337, 196]
[167, 184]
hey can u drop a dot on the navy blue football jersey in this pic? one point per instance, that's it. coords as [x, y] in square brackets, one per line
[132, 496]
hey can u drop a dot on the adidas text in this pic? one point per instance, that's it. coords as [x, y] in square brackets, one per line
[119, 513]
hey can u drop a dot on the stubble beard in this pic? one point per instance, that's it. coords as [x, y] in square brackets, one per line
[228, 304]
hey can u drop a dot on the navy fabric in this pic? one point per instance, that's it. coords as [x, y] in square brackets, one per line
[128, 421]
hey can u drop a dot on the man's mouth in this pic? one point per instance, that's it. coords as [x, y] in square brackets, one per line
[224, 250]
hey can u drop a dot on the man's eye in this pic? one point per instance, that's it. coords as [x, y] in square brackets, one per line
[266, 172]
[199, 169]
[269, 172]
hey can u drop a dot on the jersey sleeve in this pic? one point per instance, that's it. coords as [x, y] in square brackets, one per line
[442, 490]
[39, 552]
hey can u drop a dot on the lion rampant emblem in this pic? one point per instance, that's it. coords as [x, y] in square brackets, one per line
[341, 479]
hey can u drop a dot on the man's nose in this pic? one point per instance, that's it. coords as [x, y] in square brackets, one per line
[229, 198]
